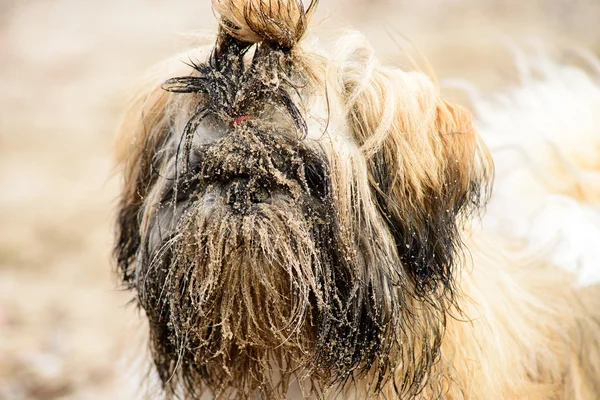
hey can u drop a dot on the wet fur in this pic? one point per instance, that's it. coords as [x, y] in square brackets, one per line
[295, 219]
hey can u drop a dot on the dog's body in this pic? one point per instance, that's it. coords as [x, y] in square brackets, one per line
[292, 219]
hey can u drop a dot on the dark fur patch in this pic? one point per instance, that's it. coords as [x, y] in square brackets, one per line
[428, 242]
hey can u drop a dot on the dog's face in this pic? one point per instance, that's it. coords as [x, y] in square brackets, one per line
[286, 215]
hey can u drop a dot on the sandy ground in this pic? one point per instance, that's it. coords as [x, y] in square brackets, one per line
[65, 66]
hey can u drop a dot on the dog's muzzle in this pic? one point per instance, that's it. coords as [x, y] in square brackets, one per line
[246, 167]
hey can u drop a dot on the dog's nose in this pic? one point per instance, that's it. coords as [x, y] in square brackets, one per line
[241, 192]
[236, 168]
[241, 160]
[231, 158]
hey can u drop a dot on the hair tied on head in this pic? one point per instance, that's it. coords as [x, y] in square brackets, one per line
[279, 23]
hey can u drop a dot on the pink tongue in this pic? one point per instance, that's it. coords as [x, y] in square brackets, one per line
[239, 120]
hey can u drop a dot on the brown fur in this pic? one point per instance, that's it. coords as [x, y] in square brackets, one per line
[296, 219]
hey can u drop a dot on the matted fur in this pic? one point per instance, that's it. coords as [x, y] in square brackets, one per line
[292, 219]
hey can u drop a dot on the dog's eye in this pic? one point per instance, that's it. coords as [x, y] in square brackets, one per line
[209, 130]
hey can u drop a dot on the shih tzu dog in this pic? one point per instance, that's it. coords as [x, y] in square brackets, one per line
[305, 223]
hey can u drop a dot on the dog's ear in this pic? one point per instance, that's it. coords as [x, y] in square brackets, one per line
[142, 132]
[426, 165]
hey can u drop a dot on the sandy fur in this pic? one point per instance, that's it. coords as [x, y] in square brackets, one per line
[453, 311]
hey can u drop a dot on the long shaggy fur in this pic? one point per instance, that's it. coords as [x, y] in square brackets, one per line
[298, 219]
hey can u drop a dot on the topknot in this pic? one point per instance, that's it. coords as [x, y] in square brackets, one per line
[279, 23]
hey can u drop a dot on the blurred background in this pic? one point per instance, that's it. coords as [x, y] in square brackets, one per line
[66, 330]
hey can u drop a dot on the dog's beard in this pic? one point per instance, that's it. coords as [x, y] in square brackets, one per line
[228, 287]
[244, 276]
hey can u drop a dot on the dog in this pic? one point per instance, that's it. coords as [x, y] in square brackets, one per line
[304, 223]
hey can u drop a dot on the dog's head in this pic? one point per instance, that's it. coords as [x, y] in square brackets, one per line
[287, 214]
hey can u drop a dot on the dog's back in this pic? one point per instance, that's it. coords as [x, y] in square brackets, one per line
[539, 237]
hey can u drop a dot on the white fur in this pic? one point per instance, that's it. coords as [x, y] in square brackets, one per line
[544, 136]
